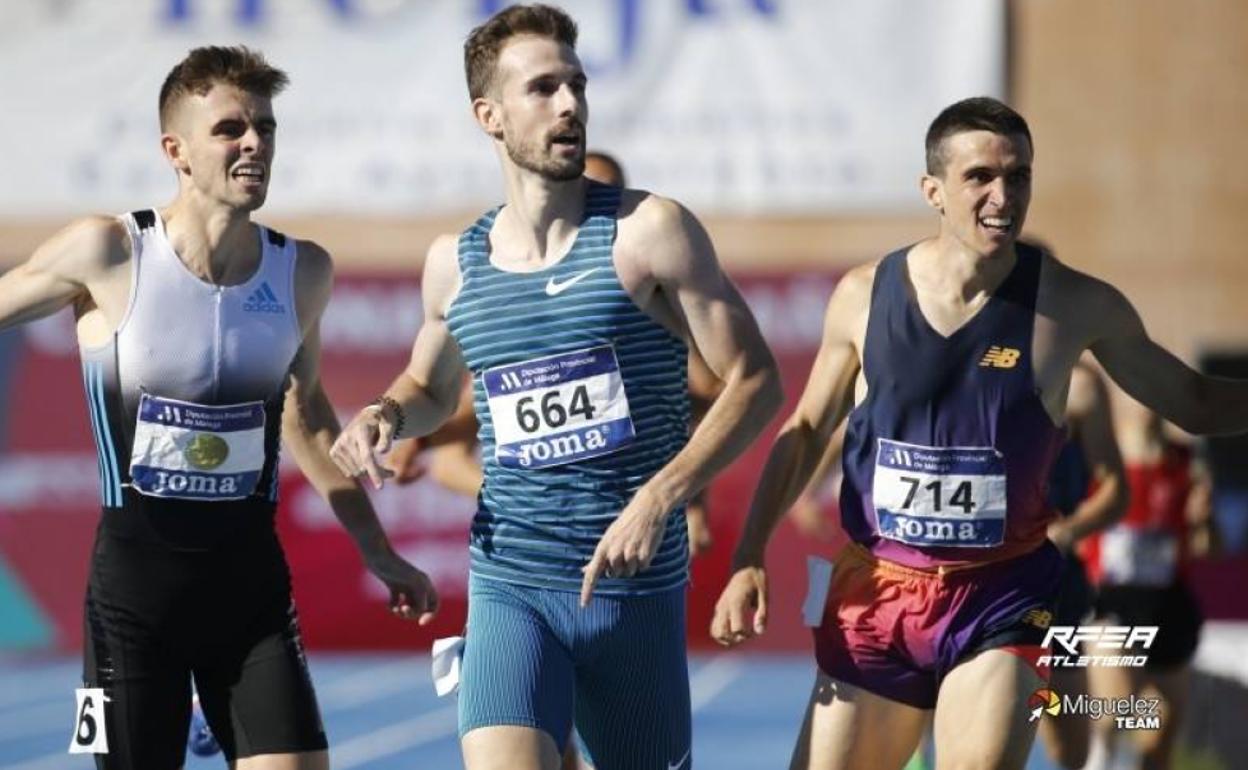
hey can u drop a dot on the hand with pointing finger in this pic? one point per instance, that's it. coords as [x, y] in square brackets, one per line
[629, 543]
[368, 435]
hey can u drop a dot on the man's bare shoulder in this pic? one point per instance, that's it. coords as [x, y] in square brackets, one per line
[660, 238]
[314, 278]
[440, 279]
[1072, 295]
[648, 215]
[86, 249]
[856, 285]
[315, 263]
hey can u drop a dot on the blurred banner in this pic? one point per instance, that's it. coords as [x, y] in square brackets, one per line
[49, 485]
[732, 106]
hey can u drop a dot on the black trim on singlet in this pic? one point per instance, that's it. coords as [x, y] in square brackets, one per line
[276, 238]
[145, 219]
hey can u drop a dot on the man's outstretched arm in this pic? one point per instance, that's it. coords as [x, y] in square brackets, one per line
[1154, 376]
[58, 273]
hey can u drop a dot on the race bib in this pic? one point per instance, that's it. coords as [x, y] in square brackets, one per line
[940, 496]
[1139, 557]
[195, 452]
[558, 409]
[90, 732]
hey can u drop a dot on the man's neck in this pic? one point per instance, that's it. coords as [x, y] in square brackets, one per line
[541, 217]
[216, 242]
[945, 266]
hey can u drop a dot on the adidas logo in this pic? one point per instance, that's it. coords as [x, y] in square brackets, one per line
[263, 300]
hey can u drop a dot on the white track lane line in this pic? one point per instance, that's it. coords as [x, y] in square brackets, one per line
[400, 736]
[711, 679]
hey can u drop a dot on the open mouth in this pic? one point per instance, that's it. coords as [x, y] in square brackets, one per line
[997, 224]
[250, 174]
[570, 138]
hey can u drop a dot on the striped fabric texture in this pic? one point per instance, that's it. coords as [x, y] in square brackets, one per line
[535, 658]
[539, 526]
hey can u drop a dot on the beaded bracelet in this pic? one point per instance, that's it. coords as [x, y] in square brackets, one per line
[383, 401]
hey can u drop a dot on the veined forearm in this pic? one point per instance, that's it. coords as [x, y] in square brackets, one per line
[422, 410]
[792, 461]
[733, 422]
[309, 434]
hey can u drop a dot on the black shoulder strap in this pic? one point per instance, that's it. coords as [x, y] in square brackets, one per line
[145, 219]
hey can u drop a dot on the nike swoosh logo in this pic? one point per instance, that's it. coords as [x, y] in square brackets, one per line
[554, 287]
[678, 763]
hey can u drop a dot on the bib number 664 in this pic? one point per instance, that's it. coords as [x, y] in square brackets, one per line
[532, 415]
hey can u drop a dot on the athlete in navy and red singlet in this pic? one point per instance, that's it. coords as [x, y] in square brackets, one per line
[952, 359]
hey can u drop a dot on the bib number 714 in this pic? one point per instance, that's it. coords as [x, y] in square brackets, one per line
[961, 497]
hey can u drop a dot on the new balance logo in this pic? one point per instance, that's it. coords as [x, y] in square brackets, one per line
[263, 300]
[1038, 618]
[554, 287]
[1000, 358]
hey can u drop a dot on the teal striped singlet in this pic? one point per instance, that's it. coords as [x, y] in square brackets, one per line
[581, 398]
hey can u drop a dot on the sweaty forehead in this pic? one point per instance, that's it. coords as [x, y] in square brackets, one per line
[975, 148]
[529, 56]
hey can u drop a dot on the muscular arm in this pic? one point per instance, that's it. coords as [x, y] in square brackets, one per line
[1088, 409]
[803, 439]
[60, 271]
[722, 330]
[1152, 375]
[427, 391]
[665, 249]
[309, 429]
[796, 453]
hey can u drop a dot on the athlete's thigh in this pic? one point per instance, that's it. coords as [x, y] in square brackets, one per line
[516, 672]
[849, 728]
[632, 685]
[132, 651]
[509, 747]
[1171, 686]
[982, 718]
[258, 699]
[1067, 737]
[1109, 682]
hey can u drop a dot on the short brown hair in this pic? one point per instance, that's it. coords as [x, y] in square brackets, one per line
[238, 66]
[484, 43]
[979, 113]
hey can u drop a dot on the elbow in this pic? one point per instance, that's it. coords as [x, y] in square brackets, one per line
[769, 392]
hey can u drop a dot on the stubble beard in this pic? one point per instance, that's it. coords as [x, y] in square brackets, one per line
[529, 156]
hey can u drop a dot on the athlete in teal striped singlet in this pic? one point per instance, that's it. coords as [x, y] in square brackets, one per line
[572, 305]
